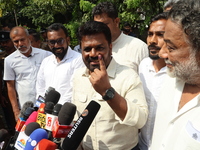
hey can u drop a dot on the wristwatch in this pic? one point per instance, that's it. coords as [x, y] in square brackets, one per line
[110, 93]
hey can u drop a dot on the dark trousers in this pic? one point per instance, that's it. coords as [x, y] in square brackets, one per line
[136, 147]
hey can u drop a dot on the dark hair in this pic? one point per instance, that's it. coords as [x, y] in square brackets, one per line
[56, 27]
[35, 34]
[92, 28]
[107, 8]
[187, 15]
[163, 15]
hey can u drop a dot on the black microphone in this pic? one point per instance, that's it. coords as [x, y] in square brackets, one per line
[51, 99]
[79, 129]
[24, 114]
[48, 90]
[4, 138]
[24, 107]
[52, 96]
[62, 126]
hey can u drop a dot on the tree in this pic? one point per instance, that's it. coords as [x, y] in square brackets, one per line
[42, 13]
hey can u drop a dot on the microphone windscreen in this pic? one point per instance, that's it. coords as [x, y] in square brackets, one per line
[79, 129]
[48, 90]
[66, 114]
[31, 127]
[52, 96]
[45, 144]
[28, 112]
[56, 109]
[35, 137]
[32, 118]
[48, 107]
[24, 107]
[3, 134]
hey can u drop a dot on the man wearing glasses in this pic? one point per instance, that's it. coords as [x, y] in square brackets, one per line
[56, 70]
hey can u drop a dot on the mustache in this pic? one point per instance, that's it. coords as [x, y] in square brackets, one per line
[54, 49]
[154, 47]
[168, 62]
[21, 47]
[92, 58]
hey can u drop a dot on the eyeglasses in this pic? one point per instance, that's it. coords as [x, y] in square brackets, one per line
[58, 41]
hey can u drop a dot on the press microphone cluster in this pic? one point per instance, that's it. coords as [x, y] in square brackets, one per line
[43, 128]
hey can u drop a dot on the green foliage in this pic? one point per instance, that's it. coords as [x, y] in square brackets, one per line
[42, 13]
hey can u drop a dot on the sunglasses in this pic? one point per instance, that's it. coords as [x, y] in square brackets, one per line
[58, 41]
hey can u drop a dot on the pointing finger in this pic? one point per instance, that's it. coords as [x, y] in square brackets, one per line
[101, 63]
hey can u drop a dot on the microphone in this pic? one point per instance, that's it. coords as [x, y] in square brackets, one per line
[24, 114]
[4, 135]
[41, 108]
[52, 96]
[35, 137]
[62, 126]
[39, 101]
[41, 118]
[24, 107]
[31, 118]
[51, 99]
[50, 118]
[31, 127]
[45, 144]
[48, 90]
[24, 135]
[79, 129]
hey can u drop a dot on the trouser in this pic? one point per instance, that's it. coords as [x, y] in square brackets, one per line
[136, 147]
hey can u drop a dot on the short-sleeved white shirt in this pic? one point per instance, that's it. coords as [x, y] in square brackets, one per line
[24, 71]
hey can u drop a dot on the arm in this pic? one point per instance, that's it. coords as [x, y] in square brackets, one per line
[118, 103]
[13, 97]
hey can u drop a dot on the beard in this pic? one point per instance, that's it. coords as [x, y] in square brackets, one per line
[59, 52]
[21, 47]
[152, 54]
[187, 71]
[89, 66]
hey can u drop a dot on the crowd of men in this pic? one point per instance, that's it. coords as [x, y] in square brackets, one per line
[149, 93]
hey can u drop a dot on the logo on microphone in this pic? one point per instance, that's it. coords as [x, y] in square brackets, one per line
[85, 113]
[49, 121]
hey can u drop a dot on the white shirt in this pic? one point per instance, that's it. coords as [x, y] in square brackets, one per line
[108, 131]
[24, 71]
[58, 75]
[176, 130]
[129, 51]
[152, 82]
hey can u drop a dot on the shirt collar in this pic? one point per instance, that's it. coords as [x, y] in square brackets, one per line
[151, 67]
[33, 52]
[67, 56]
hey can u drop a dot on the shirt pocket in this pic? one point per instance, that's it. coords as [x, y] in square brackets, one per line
[188, 138]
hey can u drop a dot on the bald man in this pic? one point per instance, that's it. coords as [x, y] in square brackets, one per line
[20, 69]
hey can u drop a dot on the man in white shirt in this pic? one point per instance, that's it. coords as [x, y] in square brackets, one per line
[177, 125]
[56, 70]
[21, 68]
[126, 50]
[152, 72]
[115, 87]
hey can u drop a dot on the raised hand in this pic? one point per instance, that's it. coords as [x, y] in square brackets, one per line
[99, 78]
